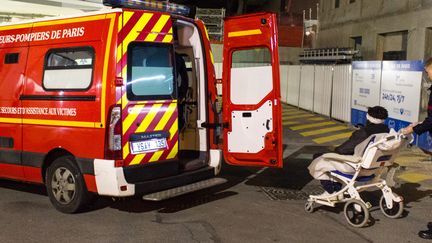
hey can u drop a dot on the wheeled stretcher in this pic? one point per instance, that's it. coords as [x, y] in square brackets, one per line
[359, 172]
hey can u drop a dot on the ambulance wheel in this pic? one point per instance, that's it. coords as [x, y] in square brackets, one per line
[356, 213]
[65, 185]
[394, 212]
[309, 207]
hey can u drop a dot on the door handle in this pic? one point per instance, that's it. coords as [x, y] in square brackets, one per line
[268, 124]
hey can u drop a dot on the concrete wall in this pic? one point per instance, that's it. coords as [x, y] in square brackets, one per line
[371, 19]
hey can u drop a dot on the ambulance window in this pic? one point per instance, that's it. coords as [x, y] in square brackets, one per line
[150, 73]
[251, 58]
[11, 58]
[68, 69]
[252, 74]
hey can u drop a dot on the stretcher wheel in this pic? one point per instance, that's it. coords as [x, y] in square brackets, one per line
[394, 212]
[309, 207]
[356, 213]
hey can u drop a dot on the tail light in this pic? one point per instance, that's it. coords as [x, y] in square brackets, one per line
[115, 134]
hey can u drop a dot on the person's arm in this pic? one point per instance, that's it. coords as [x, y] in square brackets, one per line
[423, 127]
[347, 148]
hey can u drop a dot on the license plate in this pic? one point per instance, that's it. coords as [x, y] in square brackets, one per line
[148, 145]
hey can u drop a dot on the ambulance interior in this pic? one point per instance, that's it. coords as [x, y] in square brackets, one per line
[192, 104]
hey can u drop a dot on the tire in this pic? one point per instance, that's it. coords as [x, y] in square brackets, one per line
[394, 212]
[356, 213]
[309, 207]
[65, 185]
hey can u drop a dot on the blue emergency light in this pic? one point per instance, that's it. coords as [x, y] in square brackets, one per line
[163, 6]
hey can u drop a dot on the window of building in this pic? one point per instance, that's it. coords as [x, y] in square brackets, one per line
[68, 69]
[150, 73]
[337, 3]
[351, 1]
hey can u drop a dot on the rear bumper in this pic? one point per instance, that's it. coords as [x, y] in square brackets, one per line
[111, 181]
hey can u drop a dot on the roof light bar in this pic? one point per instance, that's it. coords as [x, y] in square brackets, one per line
[163, 6]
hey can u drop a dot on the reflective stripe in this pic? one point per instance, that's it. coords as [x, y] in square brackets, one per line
[244, 33]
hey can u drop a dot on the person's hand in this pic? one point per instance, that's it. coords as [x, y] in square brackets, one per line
[407, 130]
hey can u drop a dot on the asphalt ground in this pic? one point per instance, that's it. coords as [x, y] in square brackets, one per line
[255, 205]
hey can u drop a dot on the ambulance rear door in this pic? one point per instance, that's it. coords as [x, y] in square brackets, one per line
[251, 91]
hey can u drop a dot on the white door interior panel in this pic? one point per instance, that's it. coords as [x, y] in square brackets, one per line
[249, 85]
[250, 126]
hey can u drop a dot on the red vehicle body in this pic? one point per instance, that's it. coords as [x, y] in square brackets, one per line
[92, 103]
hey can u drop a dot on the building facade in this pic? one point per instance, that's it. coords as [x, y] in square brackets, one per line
[380, 29]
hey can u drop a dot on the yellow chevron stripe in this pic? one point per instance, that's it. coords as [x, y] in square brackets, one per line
[119, 52]
[124, 72]
[126, 150]
[133, 114]
[174, 151]
[324, 130]
[125, 101]
[332, 138]
[173, 129]
[168, 113]
[133, 34]
[157, 28]
[137, 159]
[127, 15]
[149, 118]
[167, 39]
[120, 23]
[321, 124]
[156, 156]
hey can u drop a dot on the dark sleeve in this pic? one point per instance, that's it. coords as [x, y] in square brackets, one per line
[347, 148]
[426, 125]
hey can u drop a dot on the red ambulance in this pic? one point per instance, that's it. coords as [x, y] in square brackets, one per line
[122, 102]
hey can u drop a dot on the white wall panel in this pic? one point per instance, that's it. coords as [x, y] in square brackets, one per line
[284, 82]
[323, 89]
[293, 88]
[341, 99]
[218, 70]
[307, 87]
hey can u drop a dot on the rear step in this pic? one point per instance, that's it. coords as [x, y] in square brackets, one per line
[174, 192]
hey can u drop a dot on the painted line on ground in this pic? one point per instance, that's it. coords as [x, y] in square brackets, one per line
[324, 130]
[290, 123]
[318, 119]
[327, 139]
[299, 116]
[313, 125]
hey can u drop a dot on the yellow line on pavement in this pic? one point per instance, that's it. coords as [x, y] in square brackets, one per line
[293, 112]
[414, 177]
[324, 130]
[298, 116]
[332, 138]
[320, 124]
[290, 123]
[317, 119]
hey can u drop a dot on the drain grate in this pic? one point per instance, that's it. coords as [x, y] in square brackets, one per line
[276, 193]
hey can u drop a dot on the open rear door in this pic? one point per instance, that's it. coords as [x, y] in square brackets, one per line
[251, 91]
